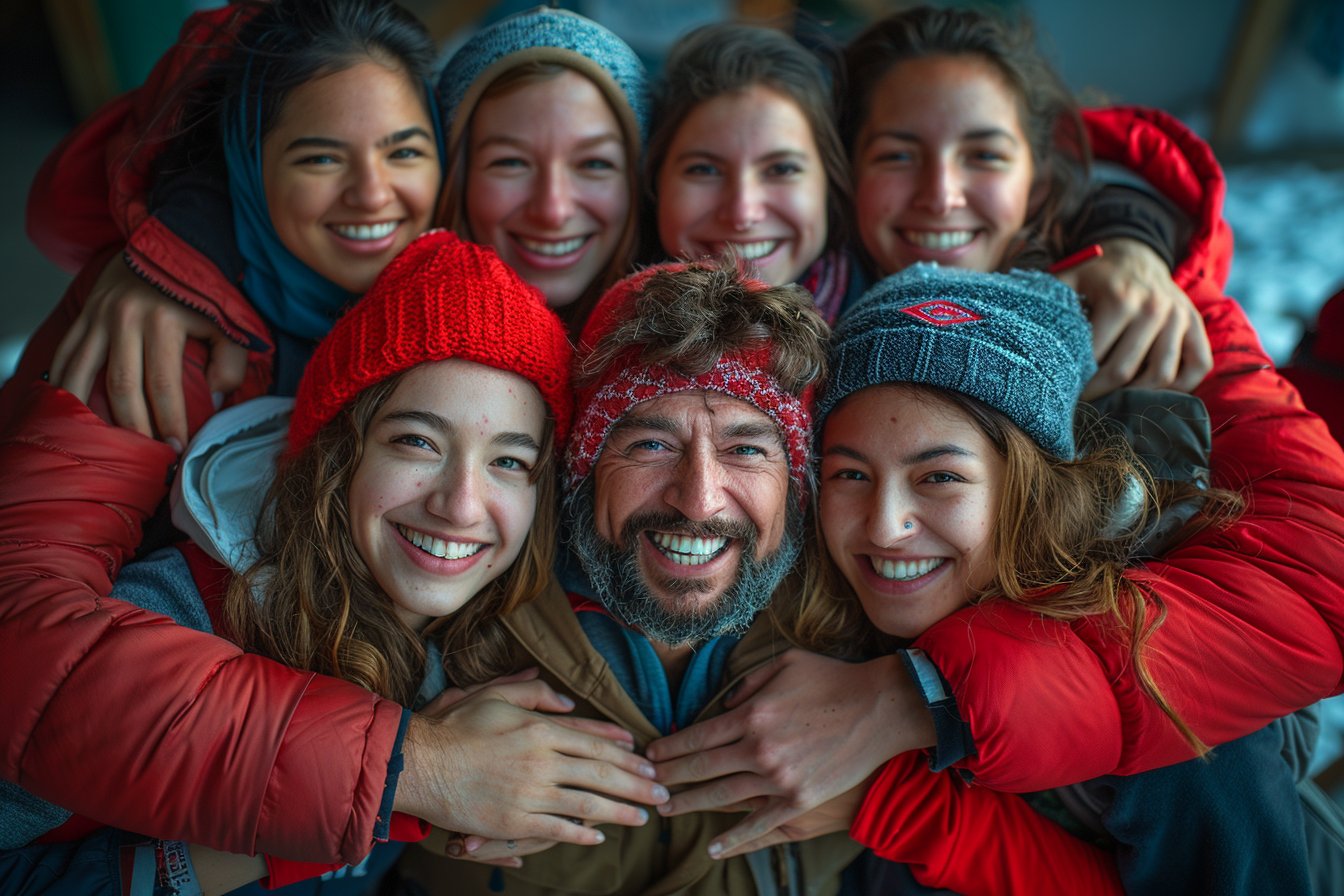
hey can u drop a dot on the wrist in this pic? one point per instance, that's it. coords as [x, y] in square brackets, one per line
[903, 712]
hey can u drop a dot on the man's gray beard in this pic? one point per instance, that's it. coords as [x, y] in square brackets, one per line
[620, 586]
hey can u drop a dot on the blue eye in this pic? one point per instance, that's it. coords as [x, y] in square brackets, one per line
[413, 441]
[648, 445]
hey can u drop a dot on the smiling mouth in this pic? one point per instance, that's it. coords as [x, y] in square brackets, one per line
[938, 239]
[552, 248]
[437, 547]
[753, 250]
[688, 550]
[366, 232]
[904, 570]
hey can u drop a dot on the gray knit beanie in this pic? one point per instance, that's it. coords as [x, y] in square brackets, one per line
[1018, 342]
[547, 35]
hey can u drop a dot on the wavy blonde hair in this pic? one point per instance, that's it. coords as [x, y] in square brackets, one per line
[309, 600]
[1056, 549]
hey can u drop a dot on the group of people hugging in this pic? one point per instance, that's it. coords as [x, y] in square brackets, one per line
[817, 469]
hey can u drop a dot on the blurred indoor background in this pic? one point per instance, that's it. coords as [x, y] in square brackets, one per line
[1261, 79]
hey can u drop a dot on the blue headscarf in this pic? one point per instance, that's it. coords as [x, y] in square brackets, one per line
[290, 296]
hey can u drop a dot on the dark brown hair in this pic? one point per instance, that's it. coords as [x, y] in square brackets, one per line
[687, 319]
[1050, 117]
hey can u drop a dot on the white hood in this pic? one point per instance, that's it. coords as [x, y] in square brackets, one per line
[223, 477]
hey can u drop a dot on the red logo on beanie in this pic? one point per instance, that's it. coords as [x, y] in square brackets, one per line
[941, 312]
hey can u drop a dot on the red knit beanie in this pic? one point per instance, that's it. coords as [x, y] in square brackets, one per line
[441, 298]
[628, 381]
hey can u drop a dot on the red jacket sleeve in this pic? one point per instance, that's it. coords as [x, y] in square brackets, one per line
[1180, 166]
[1253, 625]
[41, 348]
[89, 202]
[193, 739]
[283, 872]
[974, 841]
[90, 192]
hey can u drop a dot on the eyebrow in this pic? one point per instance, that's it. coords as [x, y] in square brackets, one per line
[924, 456]
[978, 134]
[773, 155]
[391, 139]
[441, 424]
[518, 142]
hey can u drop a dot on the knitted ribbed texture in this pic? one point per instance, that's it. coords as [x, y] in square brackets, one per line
[441, 298]
[1018, 342]
[627, 382]
[547, 35]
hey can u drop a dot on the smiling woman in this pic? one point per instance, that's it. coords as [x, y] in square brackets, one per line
[287, 147]
[548, 180]
[546, 113]
[351, 171]
[745, 159]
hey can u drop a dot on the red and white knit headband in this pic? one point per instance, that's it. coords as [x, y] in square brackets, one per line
[629, 384]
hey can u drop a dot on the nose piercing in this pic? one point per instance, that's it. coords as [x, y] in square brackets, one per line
[909, 525]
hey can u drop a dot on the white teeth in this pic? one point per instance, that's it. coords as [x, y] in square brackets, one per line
[445, 550]
[365, 231]
[939, 239]
[686, 550]
[904, 570]
[758, 249]
[563, 247]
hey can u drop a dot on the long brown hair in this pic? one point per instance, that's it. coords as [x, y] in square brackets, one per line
[1057, 549]
[1049, 114]
[310, 601]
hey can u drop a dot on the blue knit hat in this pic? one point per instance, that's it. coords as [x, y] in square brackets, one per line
[1018, 342]
[547, 35]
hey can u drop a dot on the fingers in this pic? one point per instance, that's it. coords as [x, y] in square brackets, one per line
[1124, 360]
[228, 365]
[450, 697]
[604, 769]
[534, 695]
[1164, 357]
[691, 743]
[608, 730]
[507, 853]
[165, 345]
[588, 808]
[124, 380]
[77, 361]
[1196, 354]
[718, 795]
[757, 830]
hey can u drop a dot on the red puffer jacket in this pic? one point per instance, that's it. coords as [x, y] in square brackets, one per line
[121, 715]
[89, 201]
[1254, 626]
